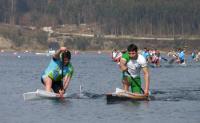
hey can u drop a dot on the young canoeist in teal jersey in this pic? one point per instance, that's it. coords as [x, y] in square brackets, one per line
[181, 56]
[146, 55]
[58, 74]
[131, 64]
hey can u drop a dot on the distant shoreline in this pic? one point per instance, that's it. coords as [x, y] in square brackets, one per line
[20, 38]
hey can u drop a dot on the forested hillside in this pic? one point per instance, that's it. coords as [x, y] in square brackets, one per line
[119, 17]
[100, 24]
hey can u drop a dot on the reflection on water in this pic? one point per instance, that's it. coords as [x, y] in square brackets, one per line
[175, 90]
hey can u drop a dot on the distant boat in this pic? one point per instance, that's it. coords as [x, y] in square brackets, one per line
[99, 52]
[47, 53]
[183, 64]
[51, 52]
[40, 53]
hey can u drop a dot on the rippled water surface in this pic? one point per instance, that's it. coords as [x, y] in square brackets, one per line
[176, 91]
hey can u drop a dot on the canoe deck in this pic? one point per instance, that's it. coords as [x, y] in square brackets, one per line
[41, 94]
[113, 97]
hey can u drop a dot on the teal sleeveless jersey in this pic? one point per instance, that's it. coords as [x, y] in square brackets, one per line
[54, 70]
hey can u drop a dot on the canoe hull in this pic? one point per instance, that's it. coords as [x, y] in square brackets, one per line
[41, 94]
[113, 97]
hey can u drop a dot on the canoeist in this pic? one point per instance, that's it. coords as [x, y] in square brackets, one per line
[195, 56]
[181, 56]
[146, 54]
[116, 55]
[155, 58]
[58, 74]
[198, 56]
[131, 64]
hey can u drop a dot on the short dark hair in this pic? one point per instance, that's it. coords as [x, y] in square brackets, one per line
[132, 47]
[66, 54]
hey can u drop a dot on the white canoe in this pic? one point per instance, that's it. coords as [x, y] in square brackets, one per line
[39, 94]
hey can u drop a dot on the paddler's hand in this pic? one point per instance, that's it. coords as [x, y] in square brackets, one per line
[61, 92]
[63, 49]
[146, 93]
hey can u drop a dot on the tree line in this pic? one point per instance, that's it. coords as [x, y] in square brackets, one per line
[116, 17]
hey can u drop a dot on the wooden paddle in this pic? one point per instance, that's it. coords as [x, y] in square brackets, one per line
[62, 67]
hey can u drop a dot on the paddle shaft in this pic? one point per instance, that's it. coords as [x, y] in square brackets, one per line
[135, 82]
[164, 59]
[62, 67]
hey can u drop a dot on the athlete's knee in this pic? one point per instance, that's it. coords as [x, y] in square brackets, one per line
[47, 81]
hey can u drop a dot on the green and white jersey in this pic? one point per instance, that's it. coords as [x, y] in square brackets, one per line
[134, 66]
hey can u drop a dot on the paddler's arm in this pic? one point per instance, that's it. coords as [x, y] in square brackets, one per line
[57, 54]
[147, 80]
[122, 65]
[65, 85]
[66, 81]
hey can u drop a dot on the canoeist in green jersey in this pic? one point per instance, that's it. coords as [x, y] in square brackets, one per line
[58, 74]
[131, 64]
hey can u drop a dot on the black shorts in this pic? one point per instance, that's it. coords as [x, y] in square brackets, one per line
[181, 61]
[56, 86]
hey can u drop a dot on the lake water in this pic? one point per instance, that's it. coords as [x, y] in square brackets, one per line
[176, 90]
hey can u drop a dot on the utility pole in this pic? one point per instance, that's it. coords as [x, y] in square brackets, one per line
[182, 26]
[136, 24]
[12, 15]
